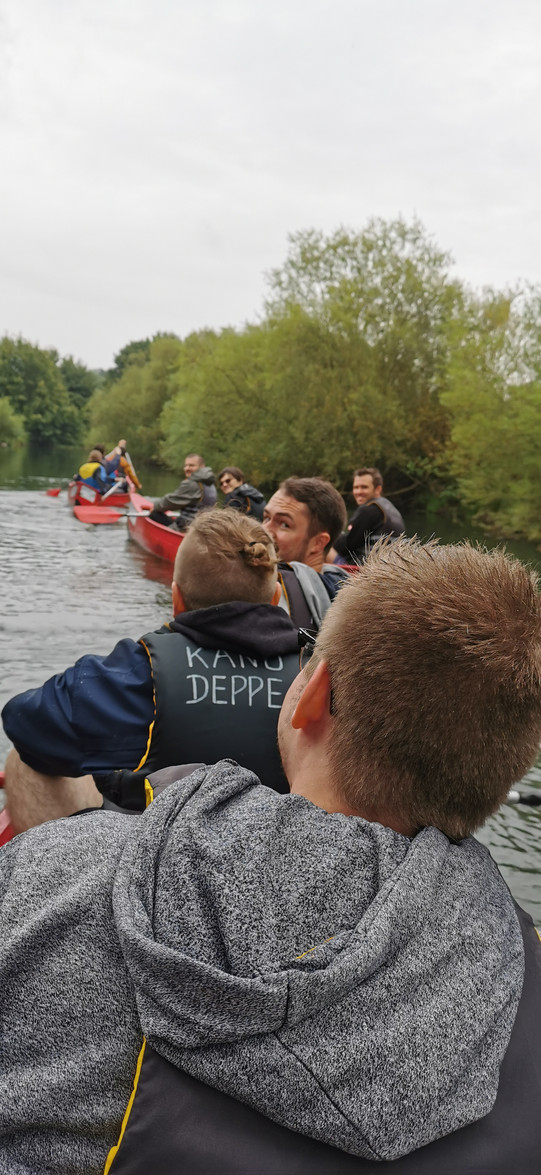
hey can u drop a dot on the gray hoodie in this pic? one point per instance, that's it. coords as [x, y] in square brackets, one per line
[196, 490]
[350, 983]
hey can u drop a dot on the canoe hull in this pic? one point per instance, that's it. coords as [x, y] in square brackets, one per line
[80, 494]
[152, 536]
[6, 829]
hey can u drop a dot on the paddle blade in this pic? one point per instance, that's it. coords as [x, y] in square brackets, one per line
[97, 514]
[54, 493]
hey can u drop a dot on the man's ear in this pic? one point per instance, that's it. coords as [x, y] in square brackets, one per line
[314, 703]
[318, 542]
[178, 599]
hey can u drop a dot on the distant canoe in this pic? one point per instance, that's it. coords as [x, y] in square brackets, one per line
[152, 536]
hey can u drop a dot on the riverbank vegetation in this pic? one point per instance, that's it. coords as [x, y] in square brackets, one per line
[43, 398]
[367, 351]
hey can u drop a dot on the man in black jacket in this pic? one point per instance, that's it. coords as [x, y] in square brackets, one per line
[374, 517]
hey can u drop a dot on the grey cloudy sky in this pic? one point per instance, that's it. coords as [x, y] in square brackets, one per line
[156, 153]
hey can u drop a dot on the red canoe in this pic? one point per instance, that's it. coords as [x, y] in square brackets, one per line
[6, 830]
[152, 536]
[80, 494]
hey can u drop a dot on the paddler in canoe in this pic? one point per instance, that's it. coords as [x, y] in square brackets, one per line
[196, 492]
[126, 469]
[239, 981]
[99, 471]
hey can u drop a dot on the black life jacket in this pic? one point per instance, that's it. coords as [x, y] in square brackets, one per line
[219, 682]
[392, 522]
[179, 1125]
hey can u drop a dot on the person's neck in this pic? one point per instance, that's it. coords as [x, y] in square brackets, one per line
[315, 785]
[315, 561]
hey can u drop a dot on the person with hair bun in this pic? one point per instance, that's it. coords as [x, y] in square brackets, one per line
[208, 685]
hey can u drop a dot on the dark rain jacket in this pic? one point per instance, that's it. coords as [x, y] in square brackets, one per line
[246, 499]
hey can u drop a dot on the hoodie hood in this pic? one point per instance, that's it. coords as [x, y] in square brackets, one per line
[204, 474]
[348, 982]
[258, 630]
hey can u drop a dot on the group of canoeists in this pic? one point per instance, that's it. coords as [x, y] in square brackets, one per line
[246, 927]
[374, 517]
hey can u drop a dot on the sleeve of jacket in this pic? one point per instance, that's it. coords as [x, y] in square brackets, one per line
[365, 520]
[188, 493]
[111, 464]
[94, 717]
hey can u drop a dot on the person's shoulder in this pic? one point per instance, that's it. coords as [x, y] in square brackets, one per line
[65, 845]
[217, 789]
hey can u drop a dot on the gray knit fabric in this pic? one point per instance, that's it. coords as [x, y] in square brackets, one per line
[351, 984]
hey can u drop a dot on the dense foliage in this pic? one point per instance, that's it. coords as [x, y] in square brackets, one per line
[46, 398]
[368, 351]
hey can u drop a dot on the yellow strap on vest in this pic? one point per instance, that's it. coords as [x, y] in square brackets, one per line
[151, 727]
[114, 1149]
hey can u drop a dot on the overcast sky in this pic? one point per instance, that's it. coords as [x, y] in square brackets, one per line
[154, 154]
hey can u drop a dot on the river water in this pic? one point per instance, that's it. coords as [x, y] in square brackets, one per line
[70, 589]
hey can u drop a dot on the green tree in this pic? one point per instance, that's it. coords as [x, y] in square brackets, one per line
[12, 430]
[80, 382]
[31, 381]
[131, 405]
[494, 397]
[133, 353]
[388, 286]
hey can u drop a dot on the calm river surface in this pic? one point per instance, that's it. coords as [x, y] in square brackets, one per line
[70, 589]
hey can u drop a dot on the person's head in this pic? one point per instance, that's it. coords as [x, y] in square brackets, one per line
[95, 454]
[230, 478]
[225, 556]
[100, 449]
[192, 462]
[430, 665]
[367, 484]
[304, 517]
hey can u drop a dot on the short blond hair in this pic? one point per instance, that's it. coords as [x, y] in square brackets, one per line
[434, 657]
[225, 556]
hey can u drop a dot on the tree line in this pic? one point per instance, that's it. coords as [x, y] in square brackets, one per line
[367, 351]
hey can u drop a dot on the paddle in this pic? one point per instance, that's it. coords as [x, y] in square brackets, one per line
[98, 514]
[533, 798]
[55, 492]
[115, 489]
